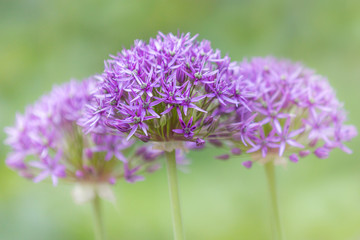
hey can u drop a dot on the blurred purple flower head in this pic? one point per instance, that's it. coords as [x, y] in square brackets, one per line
[172, 89]
[47, 142]
[295, 112]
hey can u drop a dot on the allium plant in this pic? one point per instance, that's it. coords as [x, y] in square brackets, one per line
[168, 92]
[47, 142]
[294, 113]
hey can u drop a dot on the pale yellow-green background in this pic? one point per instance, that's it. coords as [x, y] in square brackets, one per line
[47, 42]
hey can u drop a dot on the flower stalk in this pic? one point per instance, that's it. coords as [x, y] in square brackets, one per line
[174, 196]
[98, 220]
[271, 180]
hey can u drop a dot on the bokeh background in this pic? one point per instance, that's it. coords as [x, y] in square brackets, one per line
[49, 42]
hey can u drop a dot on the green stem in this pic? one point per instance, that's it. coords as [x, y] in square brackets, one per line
[270, 174]
[174, 196]
[97, 215]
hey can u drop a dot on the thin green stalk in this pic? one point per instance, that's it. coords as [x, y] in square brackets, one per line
[97, 216]
[270, 175]
[174, 196]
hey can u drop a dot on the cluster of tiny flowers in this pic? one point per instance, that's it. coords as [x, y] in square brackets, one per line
[168, 90]
[295, 113]
[177, 93]
[47, 142]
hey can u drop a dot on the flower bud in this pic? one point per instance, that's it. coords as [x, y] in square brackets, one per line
[112, 180]
[163, 120]
[123, 127]
[208, 120]
[304, 153]
[79, 174]
[156, 123]
[322, 152]
[294, 158]
[200, 142]
[215, 142]
[214, 125]
[143, 138]
[223, 157]
[247, 164]
[88, 153]
[236, 151]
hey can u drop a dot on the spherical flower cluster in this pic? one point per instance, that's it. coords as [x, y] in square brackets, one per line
[47, 142]
[295, 113]
[168, 90]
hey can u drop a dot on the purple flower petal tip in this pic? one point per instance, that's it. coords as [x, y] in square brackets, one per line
[294, 158]
[200, 142]
[322, 152]
[247, 164]
[236, 151]
[79, 174]
[223, 157]
[112, 180]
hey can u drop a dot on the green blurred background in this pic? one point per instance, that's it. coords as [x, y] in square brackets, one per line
[48, 42]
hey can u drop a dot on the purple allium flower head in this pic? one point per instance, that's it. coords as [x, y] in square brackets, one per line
[170, 90]
[47, 142]
[294, 112]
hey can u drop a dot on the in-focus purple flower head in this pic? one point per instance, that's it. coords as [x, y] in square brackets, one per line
[168, 90]
[295, 112]
[46, 142]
